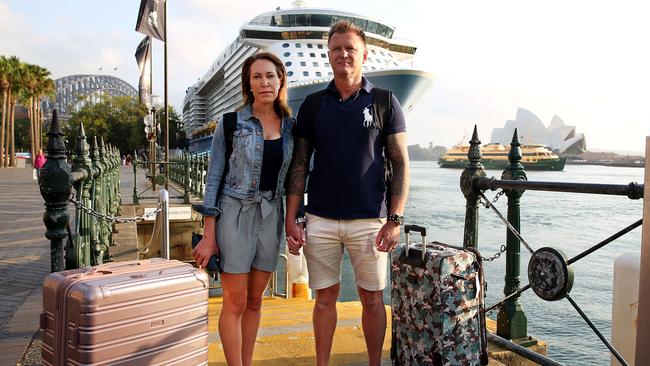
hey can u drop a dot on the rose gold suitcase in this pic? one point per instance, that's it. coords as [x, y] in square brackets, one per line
[146, 312]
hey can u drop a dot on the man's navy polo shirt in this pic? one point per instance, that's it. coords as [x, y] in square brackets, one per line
[347, 179]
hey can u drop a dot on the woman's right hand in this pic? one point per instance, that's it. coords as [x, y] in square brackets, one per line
[204, 250]
[295, 234]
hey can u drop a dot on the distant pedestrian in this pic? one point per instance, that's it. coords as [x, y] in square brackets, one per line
[128, 159]
[123, 159]
[39, 161]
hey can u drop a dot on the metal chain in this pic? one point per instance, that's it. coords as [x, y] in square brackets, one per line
[499, 194]
[485, 202]
[497, 255]
[118, 220]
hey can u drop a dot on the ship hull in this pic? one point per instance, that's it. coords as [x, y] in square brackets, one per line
[407, 85]
[545, 165]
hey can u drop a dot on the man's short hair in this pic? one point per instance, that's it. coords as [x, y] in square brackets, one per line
[345, 26]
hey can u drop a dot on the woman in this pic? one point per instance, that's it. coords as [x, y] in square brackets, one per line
[244, 219]
[39, 161]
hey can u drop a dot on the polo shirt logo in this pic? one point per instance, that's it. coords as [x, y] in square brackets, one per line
[368, 121]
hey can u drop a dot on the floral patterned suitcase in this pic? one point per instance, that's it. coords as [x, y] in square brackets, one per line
[437, 305]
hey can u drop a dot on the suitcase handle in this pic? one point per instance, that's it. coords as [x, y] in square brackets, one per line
[417, 228]
[423, 232]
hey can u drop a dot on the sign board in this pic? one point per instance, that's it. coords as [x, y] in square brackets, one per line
[175, 213]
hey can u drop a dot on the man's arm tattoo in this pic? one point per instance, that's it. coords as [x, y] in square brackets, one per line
[398, 155]
[302, 150]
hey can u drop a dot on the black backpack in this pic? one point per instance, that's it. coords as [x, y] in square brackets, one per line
[381, 111]
[229, 127]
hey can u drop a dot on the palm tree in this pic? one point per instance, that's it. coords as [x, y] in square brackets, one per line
[46, 88]
[4, 87]
[11, 73]
[17, 84]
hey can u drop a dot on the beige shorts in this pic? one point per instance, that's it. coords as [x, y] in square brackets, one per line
[326, 239]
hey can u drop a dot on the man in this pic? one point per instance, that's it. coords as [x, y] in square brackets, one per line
[346, 195]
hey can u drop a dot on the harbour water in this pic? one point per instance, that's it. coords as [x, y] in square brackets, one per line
[568, 221]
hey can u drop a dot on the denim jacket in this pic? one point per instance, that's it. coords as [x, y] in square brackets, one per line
[245, 163]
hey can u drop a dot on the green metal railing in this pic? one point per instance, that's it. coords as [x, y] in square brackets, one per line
[188, 172]
[95, 177]
[550, 274]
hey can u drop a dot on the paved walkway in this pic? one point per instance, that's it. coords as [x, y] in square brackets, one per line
[25, 256]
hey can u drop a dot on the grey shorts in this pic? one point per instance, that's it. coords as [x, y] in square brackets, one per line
[249, 233]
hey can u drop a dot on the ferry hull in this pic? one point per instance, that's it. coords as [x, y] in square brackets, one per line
[546, 165]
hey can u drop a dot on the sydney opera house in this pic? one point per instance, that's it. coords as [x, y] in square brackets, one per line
[557, 136]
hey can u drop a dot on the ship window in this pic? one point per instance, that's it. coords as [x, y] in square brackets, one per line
[303, 63]
[327, 64]
[382, 53]
[395, 63]
[285, 45]
[305, 73]
[309, 45]
[287, 54]
[323, 55]
[300, 54]
[288, 63]
[330, 73]
[290, 73]
[315, 64]
[318, 73]
[320, 46]
[298, 45]
[311, 54]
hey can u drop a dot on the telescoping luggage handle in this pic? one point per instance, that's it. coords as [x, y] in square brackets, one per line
[423, 232]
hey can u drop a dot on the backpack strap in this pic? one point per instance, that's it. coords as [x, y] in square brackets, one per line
[382, 108]
[229, 127]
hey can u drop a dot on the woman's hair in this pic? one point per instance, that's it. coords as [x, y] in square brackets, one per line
[280, 104]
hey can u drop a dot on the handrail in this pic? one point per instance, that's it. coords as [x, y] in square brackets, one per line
[632, 190]
[164, 202]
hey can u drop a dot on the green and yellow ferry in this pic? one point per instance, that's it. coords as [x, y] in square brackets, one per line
[495, 156]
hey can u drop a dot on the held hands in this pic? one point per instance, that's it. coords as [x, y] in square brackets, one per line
[387, 237]
[205, 249]
[296, 236]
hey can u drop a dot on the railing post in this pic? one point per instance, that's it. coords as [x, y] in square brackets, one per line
[511, 320]
[79, 252]
[135, 183]
[101, 249]
[95, 191]
[186, 181]
[473, 170]
[55, 186]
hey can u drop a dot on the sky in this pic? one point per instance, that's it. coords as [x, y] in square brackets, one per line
[587, 62]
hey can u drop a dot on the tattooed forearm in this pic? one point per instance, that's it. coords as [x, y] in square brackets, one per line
[302, 150]
[398, 155]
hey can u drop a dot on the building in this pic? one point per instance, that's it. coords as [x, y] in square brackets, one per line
[557, 136]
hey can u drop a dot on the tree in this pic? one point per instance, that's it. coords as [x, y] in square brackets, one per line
[174, 122]
[117, 119]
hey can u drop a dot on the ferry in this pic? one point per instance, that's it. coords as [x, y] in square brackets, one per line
[299, 37]
[495, 156]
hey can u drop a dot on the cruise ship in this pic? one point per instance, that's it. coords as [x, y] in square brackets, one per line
[299, 37]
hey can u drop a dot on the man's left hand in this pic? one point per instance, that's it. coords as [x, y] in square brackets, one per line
[387, 237]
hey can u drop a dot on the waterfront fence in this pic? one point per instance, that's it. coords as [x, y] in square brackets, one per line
[95, 178]
[549, 271]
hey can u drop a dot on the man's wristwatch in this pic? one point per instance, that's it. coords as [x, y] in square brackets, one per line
[398, 219]
[301, 220]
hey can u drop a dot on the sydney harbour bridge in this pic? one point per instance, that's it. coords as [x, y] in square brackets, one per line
[74, 91]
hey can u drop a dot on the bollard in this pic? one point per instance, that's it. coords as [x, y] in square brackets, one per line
[55, 187]
[511, 319]
[473, 170]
